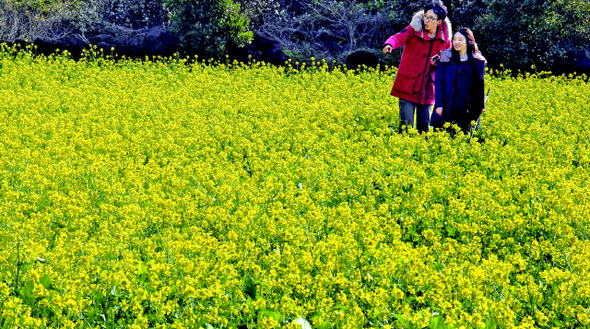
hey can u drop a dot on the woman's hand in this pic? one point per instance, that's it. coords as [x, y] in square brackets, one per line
[387, 49]
[439, 111]
[434, 60]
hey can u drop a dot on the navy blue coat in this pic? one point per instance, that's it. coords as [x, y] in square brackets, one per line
[446, 74]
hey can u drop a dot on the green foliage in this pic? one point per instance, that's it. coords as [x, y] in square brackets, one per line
[538, 32]
[464, 13]
[516, 34]
[398, 11]
[207, 26]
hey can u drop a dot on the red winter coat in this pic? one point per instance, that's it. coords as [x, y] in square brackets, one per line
[414, 81]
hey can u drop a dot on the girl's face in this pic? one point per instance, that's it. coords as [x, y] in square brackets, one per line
[430, 21]
[459, 42]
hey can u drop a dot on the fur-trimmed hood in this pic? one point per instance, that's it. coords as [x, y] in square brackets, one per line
[447, 54]
[447, 28]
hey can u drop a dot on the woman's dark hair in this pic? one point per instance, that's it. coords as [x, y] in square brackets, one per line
[438, 8]
[471, 44]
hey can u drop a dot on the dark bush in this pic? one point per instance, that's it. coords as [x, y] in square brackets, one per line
[206, 26]
[519, 34]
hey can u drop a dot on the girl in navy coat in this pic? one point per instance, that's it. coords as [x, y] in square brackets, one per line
[459, 92]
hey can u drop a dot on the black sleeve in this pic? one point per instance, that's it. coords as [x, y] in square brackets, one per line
[478, 91]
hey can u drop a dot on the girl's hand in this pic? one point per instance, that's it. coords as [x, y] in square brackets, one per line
[387, 49]
[439, 111]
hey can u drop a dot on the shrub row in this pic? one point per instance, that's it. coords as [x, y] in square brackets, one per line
[546, 34]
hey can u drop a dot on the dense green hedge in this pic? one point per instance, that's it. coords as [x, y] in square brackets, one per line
[544, 33]
[517, 34]
[206, 26]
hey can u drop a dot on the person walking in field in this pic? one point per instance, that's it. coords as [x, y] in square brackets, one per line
[460, 83]
[427, 35]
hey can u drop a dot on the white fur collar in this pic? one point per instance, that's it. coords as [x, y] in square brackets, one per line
[447, 54]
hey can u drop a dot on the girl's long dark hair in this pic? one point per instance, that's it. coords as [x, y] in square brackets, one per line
[471, 44]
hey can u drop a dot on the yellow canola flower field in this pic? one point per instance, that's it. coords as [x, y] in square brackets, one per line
[161, 193]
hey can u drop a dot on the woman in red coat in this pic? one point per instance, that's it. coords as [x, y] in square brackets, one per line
[425, 37]
[460, 83]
